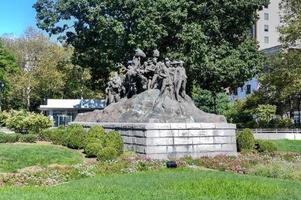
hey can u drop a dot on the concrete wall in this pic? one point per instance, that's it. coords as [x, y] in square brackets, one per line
[175, 140]
[277, 136]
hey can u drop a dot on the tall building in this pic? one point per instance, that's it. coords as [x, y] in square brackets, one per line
[266, 28]
[265, 31]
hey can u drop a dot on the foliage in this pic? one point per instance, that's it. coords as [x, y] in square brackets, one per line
[28, 138]
[245, 140]
[212, 37]
[209, 102]
[114, 140]
[285, 122]
[264, 113]
[8, 66]
[264, 146]
[107, 153]
[27, 122]
[74, 136]
[291, 16]
[55, 135]
[280, 84]
[240, 114]
[18, 156]
[3, 117]
[46, 71]
[96, 134]
[8, 138]
[92, 149]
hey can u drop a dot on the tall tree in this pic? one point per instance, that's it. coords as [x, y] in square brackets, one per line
[45, 71]
[291, 29]
[211, 36]
[8, 66]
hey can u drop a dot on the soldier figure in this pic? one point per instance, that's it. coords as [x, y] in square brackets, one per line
[180, 81]
[114, 89]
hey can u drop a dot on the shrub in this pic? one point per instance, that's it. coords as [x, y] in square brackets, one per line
[16, 121]
[3, 117]
[28, 138]
[24, 122]
[92, 149]
[114, 140]
[95, 134]
[8, 138]
[245, 140]
[265, 146]
[285, 123]
[74, 136]
[35, 123]
[54, 135]
[107, 153]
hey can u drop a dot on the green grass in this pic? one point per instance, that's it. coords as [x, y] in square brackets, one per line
[18, 156]
[167, 184]
[288, 145]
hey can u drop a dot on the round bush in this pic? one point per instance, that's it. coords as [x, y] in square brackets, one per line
[8, 138]
[74, 136]
[107, 153]
[95, 134]
[92, 149]
[28, 138]
[114, 140]
[245, 140]
[264, 146]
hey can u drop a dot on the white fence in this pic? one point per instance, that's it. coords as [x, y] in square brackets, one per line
[277, 134]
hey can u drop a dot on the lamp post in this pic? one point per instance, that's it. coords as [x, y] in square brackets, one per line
[1, 90]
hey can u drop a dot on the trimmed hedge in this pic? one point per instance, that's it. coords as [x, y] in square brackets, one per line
[9, 138]
[55, 135]
[74, 136]
[114, 140]
[91, 150]
[95, 134]
[107, 153]
[28, 138]
[245, 140]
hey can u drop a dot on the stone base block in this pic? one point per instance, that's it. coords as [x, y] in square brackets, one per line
[175, 140]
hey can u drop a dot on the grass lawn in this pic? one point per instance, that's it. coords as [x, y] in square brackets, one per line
[288, 145]
[18, 156]
[166, 184]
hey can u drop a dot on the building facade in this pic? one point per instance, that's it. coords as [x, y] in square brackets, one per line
[64, 111]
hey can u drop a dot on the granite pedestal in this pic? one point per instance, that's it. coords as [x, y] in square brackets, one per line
[175, 140]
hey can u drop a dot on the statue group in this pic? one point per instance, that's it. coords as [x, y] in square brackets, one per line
[167, 76]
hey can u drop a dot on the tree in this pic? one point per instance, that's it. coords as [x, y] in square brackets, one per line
[281, 84]
[291, 29]
[45, 71]
[205, 101]
[211, 36]
[265, 113]
[8, 66]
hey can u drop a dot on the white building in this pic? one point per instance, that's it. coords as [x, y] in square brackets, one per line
[63, 111]
[266, 29]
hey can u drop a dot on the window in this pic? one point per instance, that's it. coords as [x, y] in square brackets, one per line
[266, 16]
[266, 28]
[248, 91]
[266, 40]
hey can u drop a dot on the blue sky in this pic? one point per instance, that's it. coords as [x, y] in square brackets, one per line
[16, 16]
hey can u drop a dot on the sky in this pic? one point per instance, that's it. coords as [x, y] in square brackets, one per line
[16, 16]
